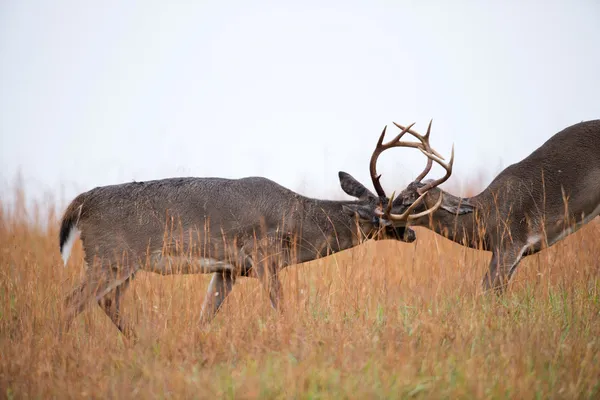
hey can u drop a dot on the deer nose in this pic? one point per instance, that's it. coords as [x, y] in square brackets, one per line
[409, 235]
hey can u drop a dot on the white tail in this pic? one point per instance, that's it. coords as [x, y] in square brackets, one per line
[68, 233]
[67, 246]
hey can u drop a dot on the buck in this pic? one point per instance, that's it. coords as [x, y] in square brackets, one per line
[228, 227]
[529, 206]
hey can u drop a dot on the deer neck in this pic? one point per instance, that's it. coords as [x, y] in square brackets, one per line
[326, 229]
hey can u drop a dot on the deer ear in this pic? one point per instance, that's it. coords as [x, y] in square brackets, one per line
[353, 187]
[364, 213]
[457, 206]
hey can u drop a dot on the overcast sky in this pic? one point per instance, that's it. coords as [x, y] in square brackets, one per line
[95, 93]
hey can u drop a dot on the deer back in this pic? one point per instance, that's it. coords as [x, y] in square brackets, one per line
[557, 184]
[211, 213]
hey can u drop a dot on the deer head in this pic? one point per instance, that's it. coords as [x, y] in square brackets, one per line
[420, 198]
[365, 211]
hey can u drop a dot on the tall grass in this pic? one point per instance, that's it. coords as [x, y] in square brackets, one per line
[383, 320]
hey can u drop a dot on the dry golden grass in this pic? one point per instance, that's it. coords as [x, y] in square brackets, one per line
[384, 320]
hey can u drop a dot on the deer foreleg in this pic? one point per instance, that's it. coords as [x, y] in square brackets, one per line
[502, 266]
[269, 277]
[266, 257]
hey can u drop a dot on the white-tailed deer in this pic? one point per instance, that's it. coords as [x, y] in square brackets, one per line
[529, 206]
[228, 227]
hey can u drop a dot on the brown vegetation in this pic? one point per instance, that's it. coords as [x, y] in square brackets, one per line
[384, 320]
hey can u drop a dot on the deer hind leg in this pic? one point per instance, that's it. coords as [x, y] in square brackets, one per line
[111, 304]
[219, 288]
[171, 265]
[99, 282]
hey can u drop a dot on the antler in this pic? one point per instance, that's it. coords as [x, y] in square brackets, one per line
[447, 166]
[396, 142]
[432, 156]
[425, 141]
[405, 216]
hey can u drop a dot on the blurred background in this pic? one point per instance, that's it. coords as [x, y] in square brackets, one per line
[96, 93]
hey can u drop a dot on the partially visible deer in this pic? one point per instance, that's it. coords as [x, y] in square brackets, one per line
[228, 227]
[529, 206]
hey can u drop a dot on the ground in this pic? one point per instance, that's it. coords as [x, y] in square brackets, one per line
[383, 320]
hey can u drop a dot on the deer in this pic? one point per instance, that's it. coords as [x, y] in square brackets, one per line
[230, 228]
[529, 206]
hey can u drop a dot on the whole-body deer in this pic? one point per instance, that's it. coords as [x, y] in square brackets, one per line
[529, 206]
[227, 227]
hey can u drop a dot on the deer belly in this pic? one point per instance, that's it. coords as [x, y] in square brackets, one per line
[562, 233]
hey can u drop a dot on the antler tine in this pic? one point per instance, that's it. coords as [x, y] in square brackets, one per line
[373, 165]
[380, 148]
[425, 146]
[446, 166]
[400, 217]
[429, 128]
[421, 138]
[390, 203]
[431, 210]
[429, 160]
[406, 216]
[399, 136]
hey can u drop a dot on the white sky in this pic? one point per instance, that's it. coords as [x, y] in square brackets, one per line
[94, 93]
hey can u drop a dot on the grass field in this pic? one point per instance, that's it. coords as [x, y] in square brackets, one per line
[383, 320]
